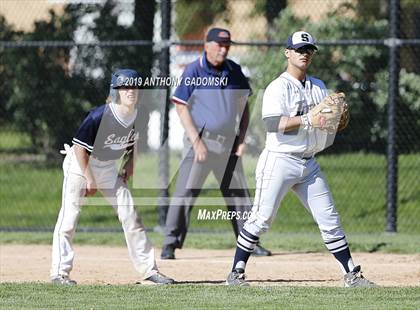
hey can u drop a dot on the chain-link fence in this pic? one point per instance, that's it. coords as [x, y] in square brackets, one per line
[55, 70]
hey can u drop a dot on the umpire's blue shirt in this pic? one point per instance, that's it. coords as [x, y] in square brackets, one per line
[213, 94]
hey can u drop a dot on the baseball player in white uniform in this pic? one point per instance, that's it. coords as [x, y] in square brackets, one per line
[288, 162]
[109, 132]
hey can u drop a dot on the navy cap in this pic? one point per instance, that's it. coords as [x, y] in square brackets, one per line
[299, 39]
[125, 78]
[218, 35]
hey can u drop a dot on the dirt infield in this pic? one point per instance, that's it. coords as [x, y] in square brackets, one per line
[111, 265]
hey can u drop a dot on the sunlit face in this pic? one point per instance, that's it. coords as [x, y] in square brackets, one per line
[128, 96]
[300, 58]
[216, 52]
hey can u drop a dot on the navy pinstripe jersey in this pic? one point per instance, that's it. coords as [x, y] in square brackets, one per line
[104, 135]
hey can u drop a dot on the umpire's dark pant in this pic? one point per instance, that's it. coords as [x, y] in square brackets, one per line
[191, 177]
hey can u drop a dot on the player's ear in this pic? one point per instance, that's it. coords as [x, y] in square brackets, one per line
[287, 53]
[206, 46]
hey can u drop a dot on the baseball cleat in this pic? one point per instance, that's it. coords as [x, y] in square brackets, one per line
[260, 251]
[159, 278]
[168, 252]
[236, 278]
[63, 280]
[355, 279]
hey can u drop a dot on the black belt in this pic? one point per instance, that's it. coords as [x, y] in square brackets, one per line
[302, 155]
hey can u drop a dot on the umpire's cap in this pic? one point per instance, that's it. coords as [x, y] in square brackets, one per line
[125, 78]
[299, 39]
[219, 35]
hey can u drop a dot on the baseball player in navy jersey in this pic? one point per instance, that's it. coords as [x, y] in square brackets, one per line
[108, 133]
[211, 102]
[294, 136]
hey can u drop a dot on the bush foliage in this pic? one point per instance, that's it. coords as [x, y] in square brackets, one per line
[360, 71]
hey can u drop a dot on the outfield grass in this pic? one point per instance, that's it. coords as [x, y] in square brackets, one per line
[12, 140]
[30, 198]
[304, 242]
[31, 195]
[47, 296]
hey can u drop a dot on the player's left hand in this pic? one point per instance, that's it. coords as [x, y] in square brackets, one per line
[127, 171]
[240, 150]
[326, 115]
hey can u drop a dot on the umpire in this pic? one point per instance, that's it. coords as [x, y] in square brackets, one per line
[211, 102]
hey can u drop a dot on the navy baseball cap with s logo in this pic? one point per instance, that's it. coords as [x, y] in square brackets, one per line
[299, 39]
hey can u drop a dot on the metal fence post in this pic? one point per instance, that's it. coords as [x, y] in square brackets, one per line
[165, 8]
[393, 98]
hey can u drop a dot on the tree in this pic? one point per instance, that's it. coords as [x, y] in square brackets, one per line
[193, 16]
[270, 9]
[7, 33]
[359, 71]
[45, 98]
[408, 110]
[48, 90]
[106, 27]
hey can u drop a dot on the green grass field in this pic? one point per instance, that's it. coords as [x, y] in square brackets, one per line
[31, 195]
[47, 296]
[304, 242]
[13, 141]
[31, 192]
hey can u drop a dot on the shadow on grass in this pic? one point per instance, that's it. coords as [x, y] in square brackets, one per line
[272, 254]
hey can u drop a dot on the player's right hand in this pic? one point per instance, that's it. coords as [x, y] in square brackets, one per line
[200, 151]
[240, 149]
[91, 188]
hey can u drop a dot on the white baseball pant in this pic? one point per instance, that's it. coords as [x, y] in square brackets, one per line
[116, 192]
[276, 174]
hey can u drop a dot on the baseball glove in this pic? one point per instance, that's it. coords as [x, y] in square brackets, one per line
[331, 114]
[344, 119]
